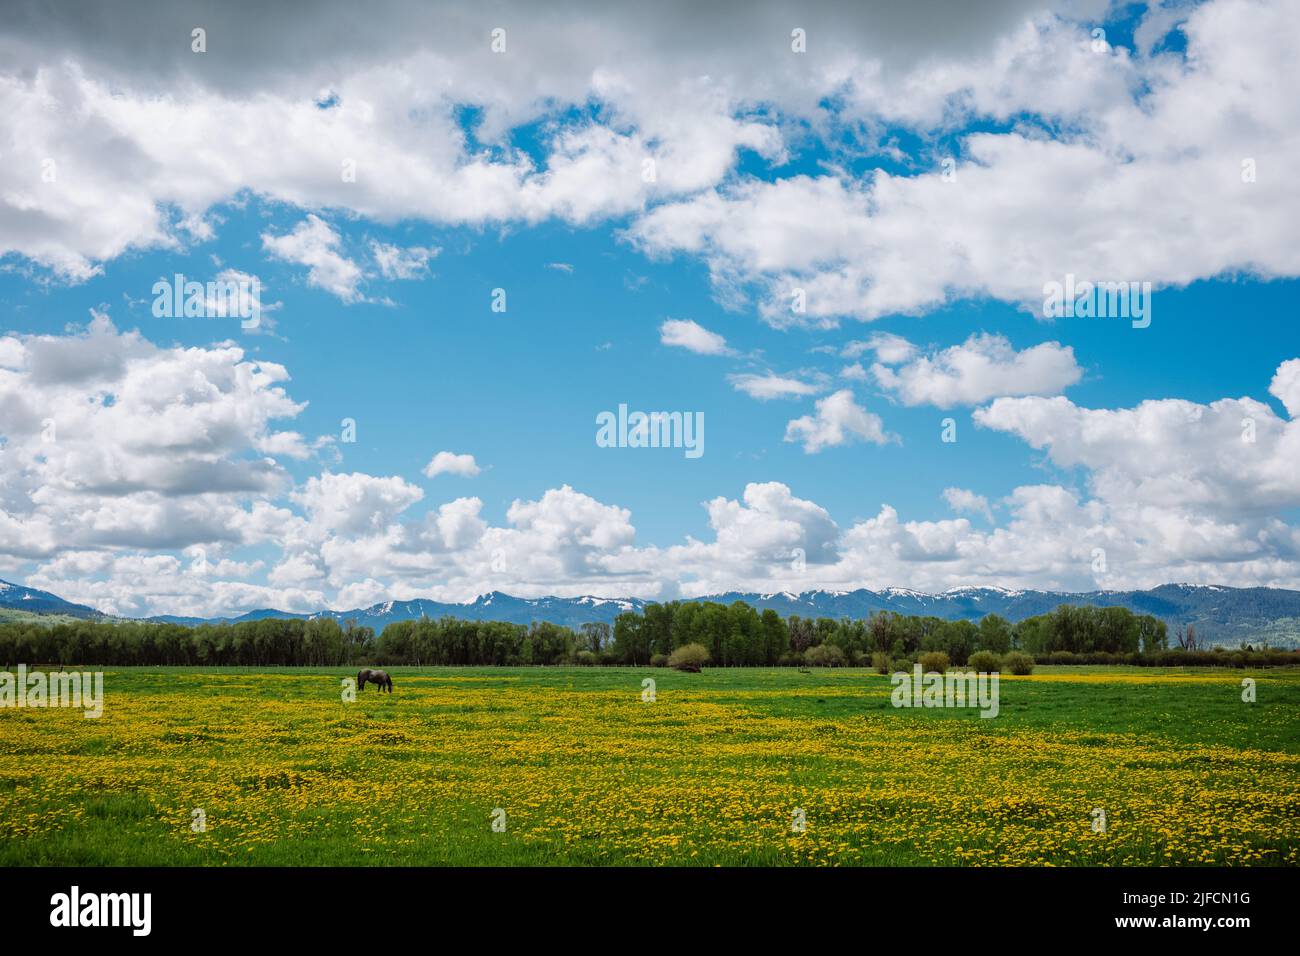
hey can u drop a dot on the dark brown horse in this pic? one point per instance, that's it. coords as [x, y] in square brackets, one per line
[379, 678]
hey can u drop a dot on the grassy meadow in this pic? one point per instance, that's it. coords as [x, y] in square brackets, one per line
[711, 772]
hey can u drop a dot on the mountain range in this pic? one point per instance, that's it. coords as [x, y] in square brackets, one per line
[1222, 615]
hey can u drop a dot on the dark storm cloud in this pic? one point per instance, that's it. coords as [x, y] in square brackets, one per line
[251, 43]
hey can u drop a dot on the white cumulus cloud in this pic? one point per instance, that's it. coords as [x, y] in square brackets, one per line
[315, 244]
[450, 463]
[768, 385]
[983, 367]
[839, 419]
[693, 337]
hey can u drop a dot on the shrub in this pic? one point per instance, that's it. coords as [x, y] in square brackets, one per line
[658, 660]
[824, 655]
[790, 659]
[689, 657]
[985, 662]
[587, 658]
[901, 664]
[1018, 662]
[880, 661]
[934, 662]
[1062, 657]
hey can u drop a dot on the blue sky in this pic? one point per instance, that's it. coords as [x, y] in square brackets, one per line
[1068, 159]
[437, 368]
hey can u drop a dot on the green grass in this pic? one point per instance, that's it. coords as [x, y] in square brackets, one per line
[711, 772]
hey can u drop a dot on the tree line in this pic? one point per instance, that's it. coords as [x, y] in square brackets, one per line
[735, 635]
[738, 635]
